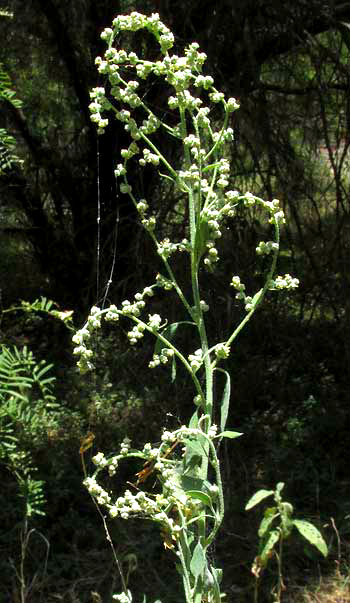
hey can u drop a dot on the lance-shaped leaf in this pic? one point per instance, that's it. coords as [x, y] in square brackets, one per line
[311, 534]
[199, 495]
[229, 434]
[269, 515]
[268, 545]
[225, 400]
[257, 498]
[198, 561]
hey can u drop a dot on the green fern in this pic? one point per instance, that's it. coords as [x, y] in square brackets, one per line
[26, 401]
[6, 92]
[7, 142]
[48, 306]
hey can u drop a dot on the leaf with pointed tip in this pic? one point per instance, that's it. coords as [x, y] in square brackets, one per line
[193, 424]
[229, 434]
[269, 515]
[198, 495]
[198, 561]
[189, 483]
[311, 534]
[256, 298]
[257, 498]
[225, 400]
[267, 547]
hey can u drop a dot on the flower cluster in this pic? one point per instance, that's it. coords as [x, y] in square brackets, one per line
[136, 333]
[196, 360]
[127, 308]
[149, 157]
[136, 21]
[154, 321]
[102, 497]
[181, 72]
[222, 351]
[82, 337]
[125, 446]
[166, 248]
[284, 282]
[97, 106]
[157, 507]
[139, 505]
[264, 248]
[100, 460]
[162, 358]
[163, 282]
[240, 288]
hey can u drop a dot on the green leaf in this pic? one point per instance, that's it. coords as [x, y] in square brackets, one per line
[199, 495]
[215, 575]
[13, 393]
[256, 298]
[229, 434]
[279, 487]
[173, 369]
[198, 561]
[194, 420]
[189, 483]
[273, 537]
[225, 401]
[287, 509]
[311, 534]
[257, 498]
[192, 460]
[269, 515]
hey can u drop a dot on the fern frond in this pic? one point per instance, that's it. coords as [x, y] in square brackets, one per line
[7, 142]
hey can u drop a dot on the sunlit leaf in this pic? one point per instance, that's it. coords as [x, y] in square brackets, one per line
[311, 534]
[267, 548]
[256, 298]
[198, 561]
[269, 515]
[225, 400]
[199, 495]
[229, 434]
[257, 498]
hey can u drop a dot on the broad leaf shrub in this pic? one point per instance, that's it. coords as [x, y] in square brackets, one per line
[275, 528]
[188, 504]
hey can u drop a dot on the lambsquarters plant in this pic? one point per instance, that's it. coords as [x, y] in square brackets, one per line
[189, 507]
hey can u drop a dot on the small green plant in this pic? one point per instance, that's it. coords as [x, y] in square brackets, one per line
[188, 505]
[42, 304]
[275, 528]
[7, 95]
[26, 402]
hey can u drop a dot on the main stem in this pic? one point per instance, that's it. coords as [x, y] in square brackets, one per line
[194, 218]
